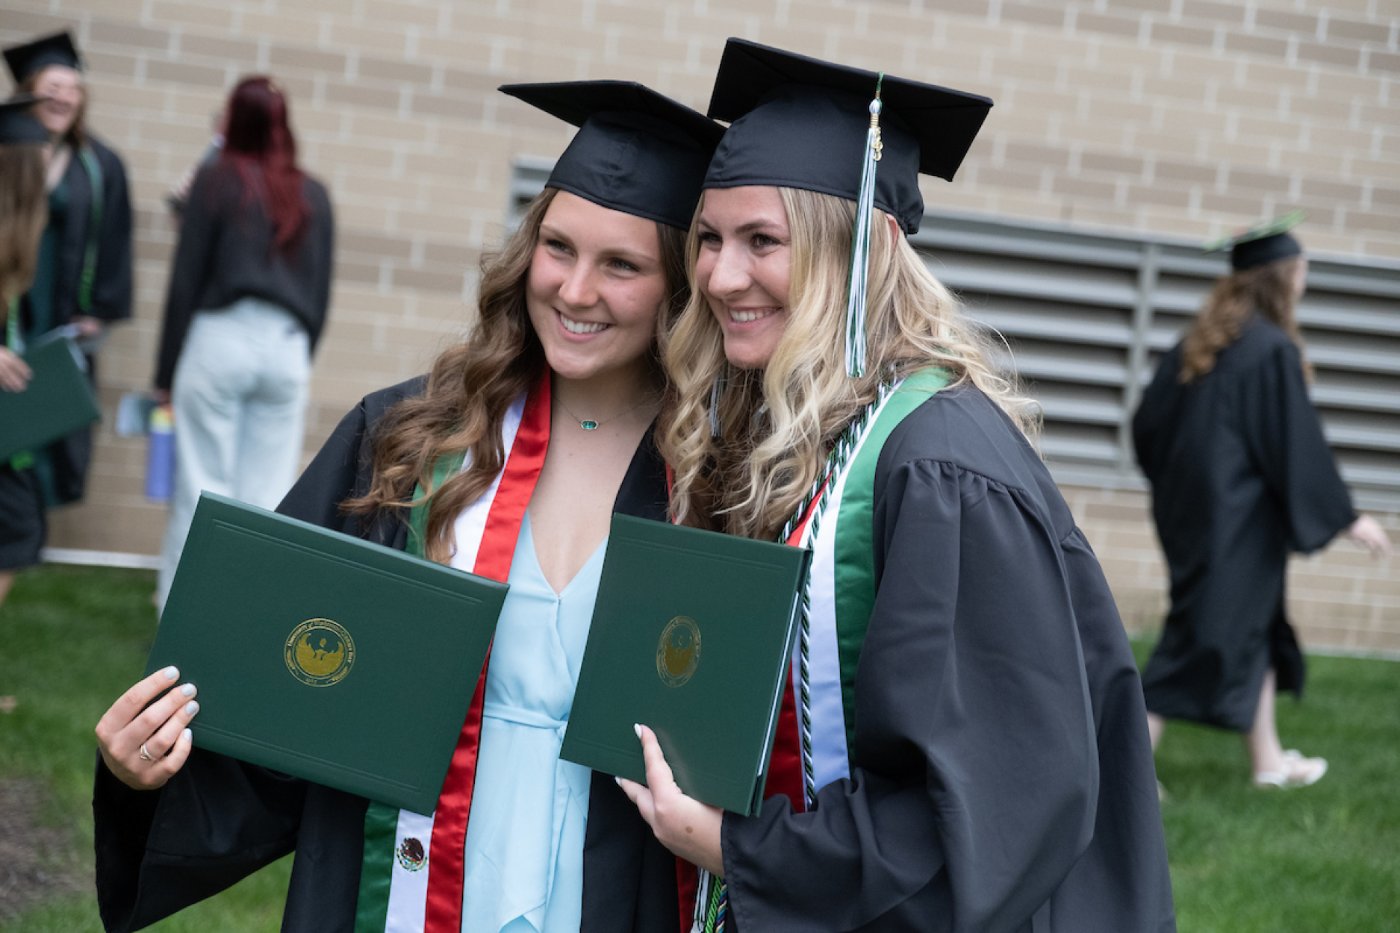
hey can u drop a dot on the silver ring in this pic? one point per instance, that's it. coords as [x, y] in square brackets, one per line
[143, 753]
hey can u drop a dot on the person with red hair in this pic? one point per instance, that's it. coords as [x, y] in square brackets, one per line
[246, 303]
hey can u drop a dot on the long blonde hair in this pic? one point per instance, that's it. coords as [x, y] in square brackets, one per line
[24, 209]
[472, 384]
[1266, 290]
[778, 424]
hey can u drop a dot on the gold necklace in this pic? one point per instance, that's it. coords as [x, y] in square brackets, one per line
[593, 424]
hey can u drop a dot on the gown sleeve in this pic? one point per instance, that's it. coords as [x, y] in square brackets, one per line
[217, 820]
[975, 773]
[112, 279]
[1284, 436]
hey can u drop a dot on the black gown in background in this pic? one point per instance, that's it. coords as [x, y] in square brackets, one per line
[1241, 475]
[219, 820]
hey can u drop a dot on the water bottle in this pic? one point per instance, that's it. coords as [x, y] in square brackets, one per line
[160, 455]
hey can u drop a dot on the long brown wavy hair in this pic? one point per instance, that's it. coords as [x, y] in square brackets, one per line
[24, 209]
[472, 384]
[1267, 291]
[778, 424]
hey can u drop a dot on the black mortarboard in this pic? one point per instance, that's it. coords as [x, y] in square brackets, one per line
[800, 122]
[636, 151]
[1264, 243]
[18, 124]
[57, 49]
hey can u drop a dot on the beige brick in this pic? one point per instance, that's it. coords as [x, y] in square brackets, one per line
[1250, 44]
[128, 37]
[1353, 30]
[1328, 53]
[19, 25]
[393, 70]
[103, 66]
[1387, 222]
[185, 73]
[1197, 36]
[1110, 163]
[243, 53]
[291, 58]
[1021, 11]
[1304, 25]
[289, 25]
[1388, 62]
[428, 16]
[1108, 24]
[354, 94]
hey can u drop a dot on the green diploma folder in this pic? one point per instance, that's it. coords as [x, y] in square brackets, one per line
[324, 656]
[57, 401]
[691, 635]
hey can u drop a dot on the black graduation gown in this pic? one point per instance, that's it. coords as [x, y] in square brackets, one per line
[111, 290]
[219, 820]
[1241, 474]
[1001, 774]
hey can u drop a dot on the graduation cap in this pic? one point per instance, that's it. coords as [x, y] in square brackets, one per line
[32, 57]
[636, 151]
[18, 125]
[799, 122]
[1263, 243]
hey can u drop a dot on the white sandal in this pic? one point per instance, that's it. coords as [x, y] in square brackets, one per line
[1298, 771]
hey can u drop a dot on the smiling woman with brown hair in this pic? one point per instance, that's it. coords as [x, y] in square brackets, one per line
[508, 460]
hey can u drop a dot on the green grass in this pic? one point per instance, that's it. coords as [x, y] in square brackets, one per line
[71, 640]
[1321, 859]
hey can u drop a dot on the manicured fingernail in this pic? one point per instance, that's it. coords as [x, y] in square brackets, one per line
[617, 780]
[191, 708]
[171, 672]
[187, 690]
[187, 735]
[637, 728]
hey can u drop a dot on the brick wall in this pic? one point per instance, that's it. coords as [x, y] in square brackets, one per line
[1181, 117]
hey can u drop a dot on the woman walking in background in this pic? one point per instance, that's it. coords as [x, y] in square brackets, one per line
[1241, 475]
[82, 278]
[23, 212]
[247, 300]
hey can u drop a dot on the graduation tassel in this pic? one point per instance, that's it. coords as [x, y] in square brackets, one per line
[860, 243]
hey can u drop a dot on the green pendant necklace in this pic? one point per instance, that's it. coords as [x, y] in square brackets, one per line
[593, 424]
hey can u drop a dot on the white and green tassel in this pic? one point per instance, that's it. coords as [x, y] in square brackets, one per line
[860, 242]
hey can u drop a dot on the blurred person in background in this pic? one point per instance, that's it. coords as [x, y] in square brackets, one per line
[1241, 476]
[246, 303]
[82, 280]
[23, 213]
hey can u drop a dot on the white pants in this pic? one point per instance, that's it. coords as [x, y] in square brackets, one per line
[239, 396]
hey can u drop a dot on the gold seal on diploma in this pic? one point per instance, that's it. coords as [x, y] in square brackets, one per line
[319, 652]
[678, 651]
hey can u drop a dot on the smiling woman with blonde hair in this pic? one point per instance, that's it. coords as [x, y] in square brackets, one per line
[962, 744]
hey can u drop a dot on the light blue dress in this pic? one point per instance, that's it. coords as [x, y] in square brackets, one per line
[524, 852]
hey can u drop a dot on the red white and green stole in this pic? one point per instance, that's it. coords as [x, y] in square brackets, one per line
[414, 865]
[836, 520]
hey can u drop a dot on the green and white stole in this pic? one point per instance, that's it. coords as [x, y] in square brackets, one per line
[836, 520]
[413, 869]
